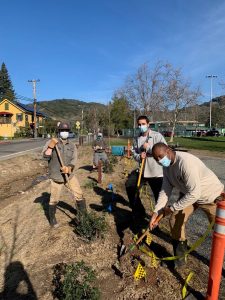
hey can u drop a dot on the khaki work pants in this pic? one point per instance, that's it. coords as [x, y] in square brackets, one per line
[56, 189]
[179, 219]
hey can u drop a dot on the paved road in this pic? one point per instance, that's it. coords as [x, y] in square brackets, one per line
[9, 149]
[15, 148]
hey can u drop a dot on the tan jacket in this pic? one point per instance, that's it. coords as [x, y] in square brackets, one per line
[192, 178]
[69, 156]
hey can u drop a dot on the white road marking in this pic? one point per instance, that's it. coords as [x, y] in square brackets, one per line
[21, 152]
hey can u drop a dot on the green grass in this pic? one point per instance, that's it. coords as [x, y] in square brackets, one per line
[119, 141]
[200, 143]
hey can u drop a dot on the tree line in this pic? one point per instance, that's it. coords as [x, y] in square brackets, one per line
[159, 91]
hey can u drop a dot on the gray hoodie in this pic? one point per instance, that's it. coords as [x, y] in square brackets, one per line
[152, 168]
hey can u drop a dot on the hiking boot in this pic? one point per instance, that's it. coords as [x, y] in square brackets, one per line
[81, 205]
[52, 218]
[179, 249]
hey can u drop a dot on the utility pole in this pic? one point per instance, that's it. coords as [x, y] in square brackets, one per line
[82, 122]
[134, 125]
[34, 81]
[109, 129]
[211, 96]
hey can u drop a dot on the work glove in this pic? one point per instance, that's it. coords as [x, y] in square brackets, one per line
[66, 170]
[52, 143]
[153, 223]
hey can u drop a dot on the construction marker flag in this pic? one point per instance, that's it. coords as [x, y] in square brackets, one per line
[140, 272]
[148, 239]
[184, 289]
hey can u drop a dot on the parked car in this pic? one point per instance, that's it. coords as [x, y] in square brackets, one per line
[212, 133]
[71, 135]
[199, 133]
[166, 133]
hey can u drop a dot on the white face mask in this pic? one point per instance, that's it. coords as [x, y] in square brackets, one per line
[64, 135]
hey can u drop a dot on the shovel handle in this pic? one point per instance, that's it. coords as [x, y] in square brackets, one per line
[61, 161]
[140, 173]
[159, 217]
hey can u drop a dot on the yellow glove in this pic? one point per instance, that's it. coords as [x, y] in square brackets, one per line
[66, 170]
[52, 143]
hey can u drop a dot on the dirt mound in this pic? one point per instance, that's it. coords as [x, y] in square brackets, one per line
[29, 248]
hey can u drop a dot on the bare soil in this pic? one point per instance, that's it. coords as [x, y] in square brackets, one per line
[29, 248]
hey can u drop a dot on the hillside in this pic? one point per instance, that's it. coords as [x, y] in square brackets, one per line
[71, 109]
[66, 108]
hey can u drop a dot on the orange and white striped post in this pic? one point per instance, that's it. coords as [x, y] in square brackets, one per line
[217, 253]
[128, 148]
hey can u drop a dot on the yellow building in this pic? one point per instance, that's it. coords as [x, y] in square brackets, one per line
[16, 117]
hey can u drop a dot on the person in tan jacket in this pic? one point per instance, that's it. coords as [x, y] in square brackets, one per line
[199, 187]
[57, 174]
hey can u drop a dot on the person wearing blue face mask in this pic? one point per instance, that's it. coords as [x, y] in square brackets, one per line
[152, 173]
[199, 187]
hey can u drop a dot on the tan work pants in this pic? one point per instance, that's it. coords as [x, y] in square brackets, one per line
[179, 219]
[56, 188]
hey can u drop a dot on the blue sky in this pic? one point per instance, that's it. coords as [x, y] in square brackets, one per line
[85, 49]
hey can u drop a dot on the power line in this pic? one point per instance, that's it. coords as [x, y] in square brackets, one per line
[23, 98]
[34, 81]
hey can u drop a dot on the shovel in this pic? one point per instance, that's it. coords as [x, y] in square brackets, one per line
[132, 246]
[140, 173]
[117, 266]
[66, 175]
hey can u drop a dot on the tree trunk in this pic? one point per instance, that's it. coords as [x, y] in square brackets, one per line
[172, 133]
[174, 125]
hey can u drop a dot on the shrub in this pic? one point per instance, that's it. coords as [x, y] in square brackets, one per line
[90, 226]
[74, 282]
[90, 184]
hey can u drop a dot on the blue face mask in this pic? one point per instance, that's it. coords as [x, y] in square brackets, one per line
[165, 162]
[143, 128]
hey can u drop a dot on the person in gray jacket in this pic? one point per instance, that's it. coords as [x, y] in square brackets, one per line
[68, 152]
[199, 187]
[100, 147]
[152, 173]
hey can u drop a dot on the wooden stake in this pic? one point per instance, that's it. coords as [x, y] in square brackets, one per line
[128, 148]
[100, 171]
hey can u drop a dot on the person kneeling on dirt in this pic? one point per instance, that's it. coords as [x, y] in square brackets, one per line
[99, 146]
[58, 174]
[199, 187]
[152, 172]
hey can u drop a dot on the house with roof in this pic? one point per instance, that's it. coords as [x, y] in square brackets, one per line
[15, 117]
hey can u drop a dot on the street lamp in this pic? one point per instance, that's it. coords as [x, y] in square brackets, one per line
[211, 95]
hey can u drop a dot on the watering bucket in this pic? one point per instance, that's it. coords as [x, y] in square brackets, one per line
[118, 150]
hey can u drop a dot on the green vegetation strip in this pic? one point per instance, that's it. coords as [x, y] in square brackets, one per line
[200, 143]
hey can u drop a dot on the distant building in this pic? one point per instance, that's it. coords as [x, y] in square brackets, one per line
[15, 117]
[183, 128]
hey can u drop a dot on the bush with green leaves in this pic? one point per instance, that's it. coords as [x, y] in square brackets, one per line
[90, 184]
[74, 282]
[113, 159]
[90, 226]
[109, 167]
